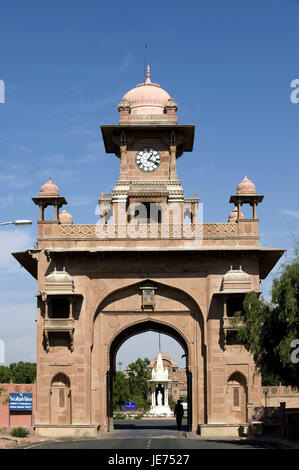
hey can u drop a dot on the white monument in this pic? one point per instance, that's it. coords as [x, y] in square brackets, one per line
[159, 383]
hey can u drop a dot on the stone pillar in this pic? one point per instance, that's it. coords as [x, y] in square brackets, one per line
[56, 213]
[249, 418]
[239, 209]
[123, 163]
[172, 169]
[71, 307]
[46, 309]
[166, 394]
[224, 306]
[193, 213]
[254, 210]
[153, 395]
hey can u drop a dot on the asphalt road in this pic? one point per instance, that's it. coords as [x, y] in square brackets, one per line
[151, 435]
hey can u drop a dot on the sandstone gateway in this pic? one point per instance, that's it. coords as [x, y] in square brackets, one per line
[147, 264]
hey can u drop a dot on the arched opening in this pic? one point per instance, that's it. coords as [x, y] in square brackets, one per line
[60, 400]
[236, 398]
[123, 314]
[159, 392]
[150, 366]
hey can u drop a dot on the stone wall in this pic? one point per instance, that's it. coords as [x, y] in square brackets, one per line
[17, 418]
[272, 396]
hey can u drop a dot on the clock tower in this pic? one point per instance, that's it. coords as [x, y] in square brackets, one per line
[147, 140]
[149, 265]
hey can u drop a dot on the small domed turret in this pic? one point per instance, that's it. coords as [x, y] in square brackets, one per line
[233, 216]
[58, 281]
[246, 187]
[65, 217]
[236, 279]
[49, 189]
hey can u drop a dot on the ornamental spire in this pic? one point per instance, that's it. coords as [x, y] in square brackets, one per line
[148, 75]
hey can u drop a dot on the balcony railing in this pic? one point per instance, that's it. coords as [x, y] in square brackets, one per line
[151, 231]
[59, 324]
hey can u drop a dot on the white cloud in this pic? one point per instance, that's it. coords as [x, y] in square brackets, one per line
[17, 148]
[56, 158]
[82, 200]
[18, 305]
[126, 61]
[15, 175]
[25, 149]
[279, 234]
[6, 200]
[80, 130]
[93, 153]
[10, 241]
[291, 213]
[65, 175]
[18, 329]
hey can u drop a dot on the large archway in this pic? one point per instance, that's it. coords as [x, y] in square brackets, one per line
[121, 316]
[135, 329]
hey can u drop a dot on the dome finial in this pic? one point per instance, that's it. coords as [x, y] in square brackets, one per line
[246, 187]
[148, 75]
[49, 189]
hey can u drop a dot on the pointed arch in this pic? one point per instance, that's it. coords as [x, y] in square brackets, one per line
[140, 326]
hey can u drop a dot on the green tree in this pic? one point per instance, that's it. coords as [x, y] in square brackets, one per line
[23, 372]
[121, 391]
[139, 375]
[5, 374]
[270, 327]
[171, 402]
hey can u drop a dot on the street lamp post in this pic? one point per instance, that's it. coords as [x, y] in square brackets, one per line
[17, 222]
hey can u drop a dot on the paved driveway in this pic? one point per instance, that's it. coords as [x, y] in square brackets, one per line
[152, 434]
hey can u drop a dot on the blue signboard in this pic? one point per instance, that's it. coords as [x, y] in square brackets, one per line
[130, 405]
[20, 402]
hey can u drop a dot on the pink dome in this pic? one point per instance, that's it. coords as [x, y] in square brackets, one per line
[49, 189]
[234, 215]
[246, 187]
[65, 217]
[147, 98]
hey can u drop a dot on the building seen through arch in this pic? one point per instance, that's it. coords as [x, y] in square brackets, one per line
[149, 263]
[177, 378]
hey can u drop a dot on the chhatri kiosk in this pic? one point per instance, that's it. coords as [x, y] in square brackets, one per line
[159, 390]
[147, 264]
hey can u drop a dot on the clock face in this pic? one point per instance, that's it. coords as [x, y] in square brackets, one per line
[148, 159]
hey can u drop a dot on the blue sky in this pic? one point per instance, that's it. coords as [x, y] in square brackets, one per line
[67, 64]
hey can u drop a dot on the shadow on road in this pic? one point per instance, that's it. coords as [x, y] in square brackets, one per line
[169, 425]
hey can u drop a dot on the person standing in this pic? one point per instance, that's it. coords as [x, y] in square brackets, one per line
[179, 413]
